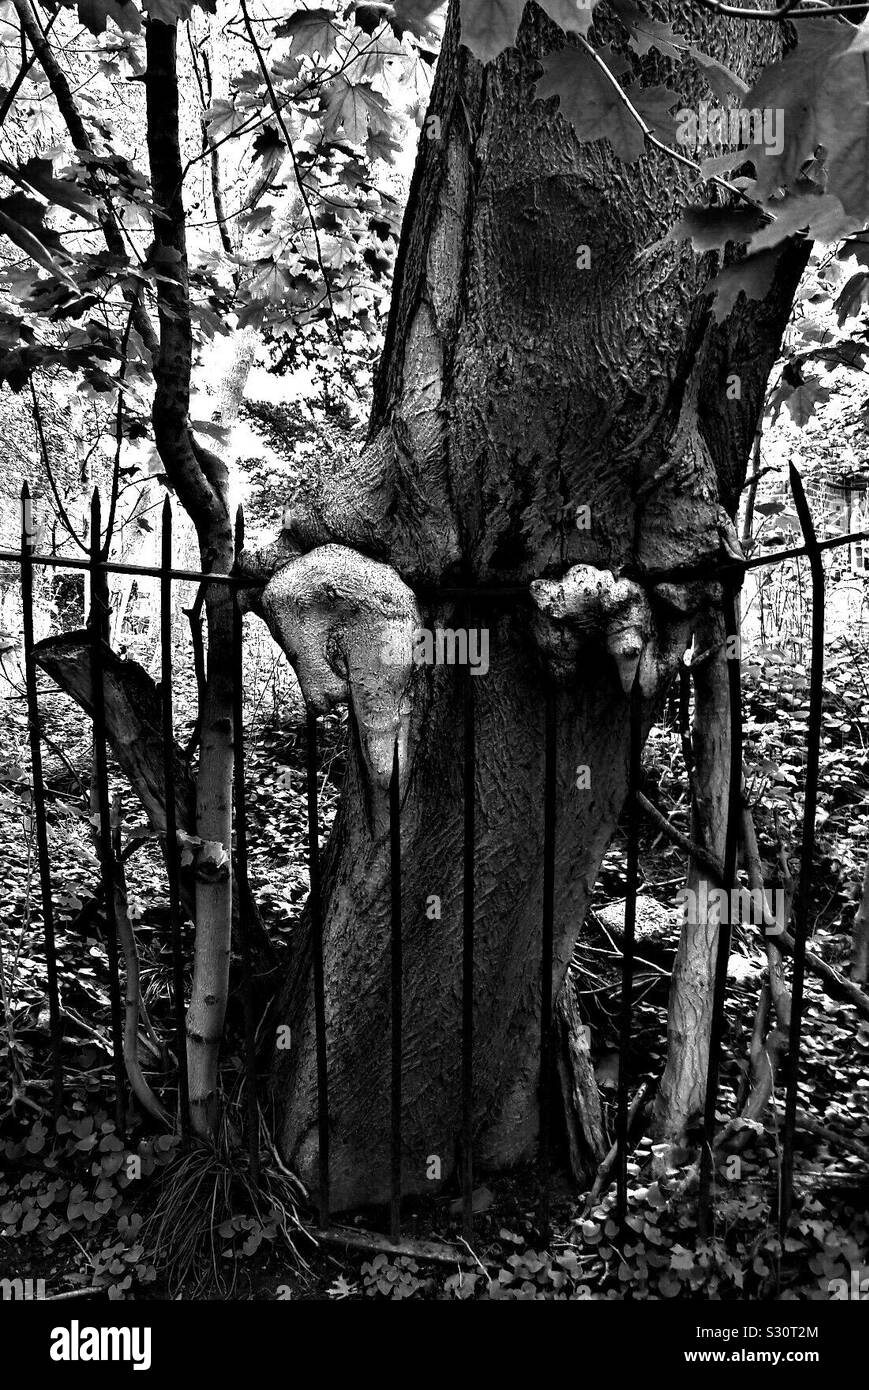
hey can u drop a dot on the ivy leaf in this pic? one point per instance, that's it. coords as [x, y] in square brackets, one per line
[310, 31]
[752, 276]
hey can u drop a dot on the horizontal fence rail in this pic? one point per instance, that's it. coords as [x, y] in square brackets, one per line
[99, 567]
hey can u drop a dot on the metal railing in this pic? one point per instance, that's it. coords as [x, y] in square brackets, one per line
[99, 566]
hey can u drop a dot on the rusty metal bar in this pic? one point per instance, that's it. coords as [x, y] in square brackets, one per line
[38, 795]
[173, 868]
[315, 909]
[731, 845]
[635, 752]
[547, 936]
[241, 864]
[99, 616]
[807, 848]
[396, 982]
[467, 1074]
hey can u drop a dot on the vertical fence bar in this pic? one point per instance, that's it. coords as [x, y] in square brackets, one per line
[173, 869]
[99, 618]
[395, 893]
[35, 737]
[633, 873]
[807, 848]
[241, 871]
[315, 909]
[685, 720]
[731, 843]
[547, 934]
[469, 762]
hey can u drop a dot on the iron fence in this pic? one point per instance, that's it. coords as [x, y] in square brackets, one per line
[99, 566]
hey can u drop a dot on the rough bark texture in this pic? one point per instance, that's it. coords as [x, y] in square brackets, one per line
[200, 479]
[680, 1098]
[133, 725]
[860, 937]
[514, 389]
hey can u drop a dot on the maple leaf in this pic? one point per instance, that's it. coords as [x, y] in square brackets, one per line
[856, 246]
[356, 109]
[310, 31]
[94, 15]
[38, 176]
[818, 215]
[752, 276]
[801, 403]
[490, 26]
[654, 105]
[270, 149]
[852, 297]
[573, 16]
[709, 228]
[422, 17]
[821, 90]
[22, 221]
[170, 11]
[223, 118]
[721, 79]
[381, 145]
[649, 33]
[596, 108]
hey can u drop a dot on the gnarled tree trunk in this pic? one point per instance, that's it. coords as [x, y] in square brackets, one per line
[515, 389]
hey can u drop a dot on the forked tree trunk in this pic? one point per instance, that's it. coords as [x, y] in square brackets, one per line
[515, 389]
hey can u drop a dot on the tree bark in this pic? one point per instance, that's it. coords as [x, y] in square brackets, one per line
[200, 479]
[860, 936]
[681, 1094]
[515, 388]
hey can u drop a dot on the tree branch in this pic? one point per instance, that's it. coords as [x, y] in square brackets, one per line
[197, 476]
[66, 105]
